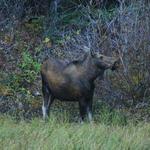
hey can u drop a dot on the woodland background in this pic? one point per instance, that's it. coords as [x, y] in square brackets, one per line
[32, 30]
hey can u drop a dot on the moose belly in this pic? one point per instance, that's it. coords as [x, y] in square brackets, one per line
[66, 89]
[67, 93]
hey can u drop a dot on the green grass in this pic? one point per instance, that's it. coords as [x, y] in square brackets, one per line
[60, 134]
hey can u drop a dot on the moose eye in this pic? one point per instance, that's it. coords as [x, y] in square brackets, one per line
[101, 57]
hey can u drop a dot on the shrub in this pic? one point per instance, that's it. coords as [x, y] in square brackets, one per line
[26, 75]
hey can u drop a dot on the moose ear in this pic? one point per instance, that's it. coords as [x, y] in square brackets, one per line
[92, 53]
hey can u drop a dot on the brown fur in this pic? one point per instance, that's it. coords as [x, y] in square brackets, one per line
[73, 81]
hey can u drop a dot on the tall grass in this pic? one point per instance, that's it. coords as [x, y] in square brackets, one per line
[59, 134]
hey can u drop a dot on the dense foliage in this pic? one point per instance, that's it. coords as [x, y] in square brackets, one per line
[33, 30]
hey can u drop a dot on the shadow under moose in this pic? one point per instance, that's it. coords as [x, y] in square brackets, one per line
[74, 81]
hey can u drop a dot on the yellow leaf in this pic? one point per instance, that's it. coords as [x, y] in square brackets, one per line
[46, 40]
[78, 32]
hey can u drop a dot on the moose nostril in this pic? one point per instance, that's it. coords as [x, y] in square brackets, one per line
[101, 57]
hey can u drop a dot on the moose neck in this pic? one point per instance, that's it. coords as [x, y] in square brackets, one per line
[91, 70]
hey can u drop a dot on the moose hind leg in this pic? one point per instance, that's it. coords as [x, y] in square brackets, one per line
[51, 99]
[46, 95]
[83, 108]
[89, 110]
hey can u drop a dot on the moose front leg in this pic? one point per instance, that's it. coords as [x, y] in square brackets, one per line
[89, 110]
[46, 95]
[51, 99]
[83, 109]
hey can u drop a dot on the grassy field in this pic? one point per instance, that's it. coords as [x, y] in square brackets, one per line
[60, 134]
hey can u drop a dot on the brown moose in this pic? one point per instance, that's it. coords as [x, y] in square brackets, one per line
[73, 81]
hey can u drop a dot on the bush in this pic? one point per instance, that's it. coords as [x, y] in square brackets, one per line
[26, 75]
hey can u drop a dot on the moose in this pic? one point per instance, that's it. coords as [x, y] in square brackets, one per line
[73, 81]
